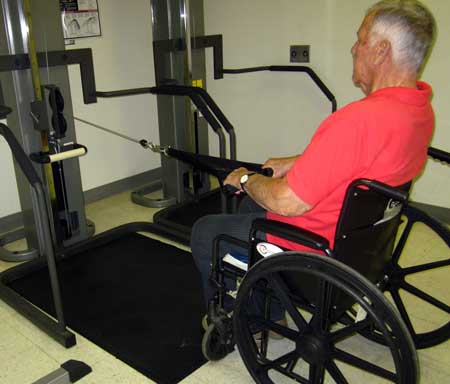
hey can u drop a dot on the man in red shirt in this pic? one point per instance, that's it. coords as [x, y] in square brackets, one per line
[384, 136]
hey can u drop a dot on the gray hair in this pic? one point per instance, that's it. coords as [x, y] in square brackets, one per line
[410, 28]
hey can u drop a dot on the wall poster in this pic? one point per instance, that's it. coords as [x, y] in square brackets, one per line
[80, 18]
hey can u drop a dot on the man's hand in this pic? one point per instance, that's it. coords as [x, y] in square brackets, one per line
[273, 194]
[234, 178]
[280, 165]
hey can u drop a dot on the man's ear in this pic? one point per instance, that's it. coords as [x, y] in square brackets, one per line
[383, 51]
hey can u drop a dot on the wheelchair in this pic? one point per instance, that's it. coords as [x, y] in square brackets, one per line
[349, 314]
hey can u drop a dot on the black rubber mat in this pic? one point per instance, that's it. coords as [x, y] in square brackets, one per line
[188, 213]
[181, 217]
[137, 298]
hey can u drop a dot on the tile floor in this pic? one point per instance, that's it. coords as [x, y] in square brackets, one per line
[27, 354]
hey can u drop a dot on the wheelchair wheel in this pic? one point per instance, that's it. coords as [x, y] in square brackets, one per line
[217, 341]
[416, 285]
[315, 292]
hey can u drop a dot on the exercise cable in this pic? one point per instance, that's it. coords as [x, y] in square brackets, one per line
[215, 166]
[142, 142]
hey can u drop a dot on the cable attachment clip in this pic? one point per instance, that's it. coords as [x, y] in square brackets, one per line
[154, 147]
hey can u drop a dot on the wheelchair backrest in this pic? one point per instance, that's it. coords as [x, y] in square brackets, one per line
[367, 228]
[364, 240]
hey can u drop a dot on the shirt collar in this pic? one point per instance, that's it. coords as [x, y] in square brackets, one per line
[418, 96]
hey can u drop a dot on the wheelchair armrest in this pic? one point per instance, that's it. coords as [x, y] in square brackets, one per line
[291, 233]
[382, 188]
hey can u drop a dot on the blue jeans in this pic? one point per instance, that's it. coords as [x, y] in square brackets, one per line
[207, 228]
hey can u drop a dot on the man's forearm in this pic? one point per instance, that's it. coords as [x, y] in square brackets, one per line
[275, 196]
[280, 165]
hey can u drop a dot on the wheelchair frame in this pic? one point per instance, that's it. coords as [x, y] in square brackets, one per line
[225, 329]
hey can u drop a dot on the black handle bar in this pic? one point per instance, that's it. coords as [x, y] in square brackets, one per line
[290, 68]
[439, 154]
[215, 166]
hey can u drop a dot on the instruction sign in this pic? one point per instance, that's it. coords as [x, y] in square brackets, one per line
[80, 18]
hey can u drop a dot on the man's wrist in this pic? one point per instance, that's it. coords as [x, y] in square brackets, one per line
[244, 179]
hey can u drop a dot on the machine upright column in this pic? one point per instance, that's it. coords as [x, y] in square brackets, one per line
[18, 93]
[177, 22]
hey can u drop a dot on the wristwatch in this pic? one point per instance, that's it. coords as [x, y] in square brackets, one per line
[244, 179]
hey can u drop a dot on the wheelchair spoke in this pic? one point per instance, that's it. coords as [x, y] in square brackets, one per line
[349, 330]
[336, 373]
[281, 291]
[270, 325]
[283, 331]
[291, 359]
[401, 307]
[425, 267]
[288, 358]
[316, 373]
[291, 365]
[425, 297]
[364, 365]
[292, 375]
[321, 318]
[401, 243]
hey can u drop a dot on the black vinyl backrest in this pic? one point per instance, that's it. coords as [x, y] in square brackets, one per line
[366, 230]
[365, 237]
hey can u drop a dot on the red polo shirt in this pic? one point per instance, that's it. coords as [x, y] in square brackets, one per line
[384, 137]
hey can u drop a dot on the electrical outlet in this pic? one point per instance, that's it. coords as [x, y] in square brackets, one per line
[299, 53]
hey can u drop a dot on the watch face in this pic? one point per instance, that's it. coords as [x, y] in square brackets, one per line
[244, 178]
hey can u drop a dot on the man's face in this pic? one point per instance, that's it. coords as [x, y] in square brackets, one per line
[363, 54]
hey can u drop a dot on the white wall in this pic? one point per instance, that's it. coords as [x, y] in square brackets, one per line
[276, 115]
[9, 198]
[273, 113]
[123, 58]
[434, 184]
